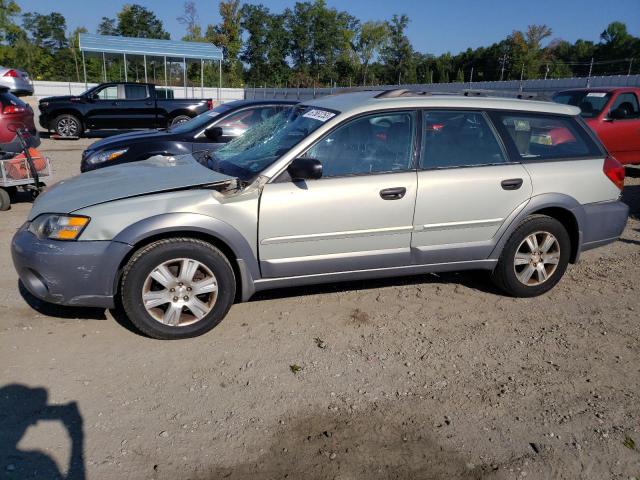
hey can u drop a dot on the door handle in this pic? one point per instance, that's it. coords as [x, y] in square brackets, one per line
[511, 184]
[148, 103]
[395, 193]
[114, 103]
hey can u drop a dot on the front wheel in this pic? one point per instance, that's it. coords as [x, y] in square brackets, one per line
[5, 200]
[534, 258]
[177, 288]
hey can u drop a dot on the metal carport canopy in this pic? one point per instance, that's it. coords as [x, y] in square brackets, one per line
[89, 42]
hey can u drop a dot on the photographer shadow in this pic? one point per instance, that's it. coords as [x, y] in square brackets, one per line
[21, 407]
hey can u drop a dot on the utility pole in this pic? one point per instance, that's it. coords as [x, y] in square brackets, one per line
[471, 77]
[546, 72]
[503, 60]
[590, 70]
[630, 63]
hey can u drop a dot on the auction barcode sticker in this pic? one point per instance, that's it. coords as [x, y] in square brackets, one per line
[320, 115]
[597, 94]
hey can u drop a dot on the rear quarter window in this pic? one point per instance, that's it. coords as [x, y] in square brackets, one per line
[539, 137]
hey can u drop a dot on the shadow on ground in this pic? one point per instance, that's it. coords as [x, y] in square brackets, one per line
[379, 443]
[60, 311]
[22, 407]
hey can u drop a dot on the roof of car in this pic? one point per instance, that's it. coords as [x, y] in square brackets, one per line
[363, 101]
[601, 89]
[243, 103]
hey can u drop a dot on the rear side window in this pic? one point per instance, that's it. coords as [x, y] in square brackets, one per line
[544, 137]
[135, 92]
[458, 139]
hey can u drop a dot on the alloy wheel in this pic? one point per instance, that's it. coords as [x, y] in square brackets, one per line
[537, 258]
[67, 127]
[180, 292]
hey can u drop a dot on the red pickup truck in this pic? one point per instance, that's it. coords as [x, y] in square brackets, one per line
[613, 113]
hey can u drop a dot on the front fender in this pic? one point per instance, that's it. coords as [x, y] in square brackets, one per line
[183, 223]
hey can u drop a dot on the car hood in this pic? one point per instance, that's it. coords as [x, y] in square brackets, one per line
[124, 139]
[61, 98]
[157, 174]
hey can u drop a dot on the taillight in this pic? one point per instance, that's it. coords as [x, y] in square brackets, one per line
[209, 104]
[614, 171]
[11, 73]
[8, 109]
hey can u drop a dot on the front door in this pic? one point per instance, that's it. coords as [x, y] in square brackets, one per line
[466, 188]
[358, 216]
[621, 136]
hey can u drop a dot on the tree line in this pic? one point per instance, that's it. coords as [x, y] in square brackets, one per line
[308, 44]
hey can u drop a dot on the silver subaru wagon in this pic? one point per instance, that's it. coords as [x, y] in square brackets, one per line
[353, 186]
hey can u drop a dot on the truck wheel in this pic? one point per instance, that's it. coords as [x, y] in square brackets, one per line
[5, 200]
[178, 120]
[534, 258]
[177, 288]
[67, 125]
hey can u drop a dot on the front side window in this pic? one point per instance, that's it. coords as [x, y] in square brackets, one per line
[135, 92]
[541, 137]
[108, 93]
[626, 103]
[238, 123]
[371, 144]
[458, 139]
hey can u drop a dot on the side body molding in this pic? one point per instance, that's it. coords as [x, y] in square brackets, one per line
[193, 222]
[537, 203]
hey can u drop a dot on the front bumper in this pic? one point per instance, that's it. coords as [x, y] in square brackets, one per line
[604, 222]
[68, 273]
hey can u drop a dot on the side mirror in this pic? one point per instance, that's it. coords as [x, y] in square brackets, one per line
[618, 114]
[214, 134]
[305, 169]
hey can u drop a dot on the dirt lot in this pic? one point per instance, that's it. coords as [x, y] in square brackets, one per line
[435, 376]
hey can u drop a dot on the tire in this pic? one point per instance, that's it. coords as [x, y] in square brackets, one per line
[511, 273]
[68, 126]
[178, 120]
[5, 200]
[168, 315]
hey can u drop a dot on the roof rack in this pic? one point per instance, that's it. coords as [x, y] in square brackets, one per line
[404, 92]
[471, 92]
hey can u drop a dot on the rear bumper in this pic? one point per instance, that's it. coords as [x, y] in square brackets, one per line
[68, 273]
[604, 222]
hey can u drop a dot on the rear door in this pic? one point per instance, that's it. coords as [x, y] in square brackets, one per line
[622, 136]
[137, 107]
[467, 187]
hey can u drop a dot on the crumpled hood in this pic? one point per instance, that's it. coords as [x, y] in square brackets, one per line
[157, 174]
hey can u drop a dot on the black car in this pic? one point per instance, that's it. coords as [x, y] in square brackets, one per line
[207, 131]
[120, 105]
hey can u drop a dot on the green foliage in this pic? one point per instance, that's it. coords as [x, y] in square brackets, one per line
[305, 45]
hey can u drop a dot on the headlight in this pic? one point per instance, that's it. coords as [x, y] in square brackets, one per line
[44, 104]
[58, 227]
[105, 156]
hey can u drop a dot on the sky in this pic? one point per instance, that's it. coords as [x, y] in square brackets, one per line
[436, 26]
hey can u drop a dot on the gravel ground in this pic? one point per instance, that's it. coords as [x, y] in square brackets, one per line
[433, 376]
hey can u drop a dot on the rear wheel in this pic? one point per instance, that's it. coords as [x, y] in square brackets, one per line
[178, 120]
[67, 126]
[534, 258]
[5, 200]
[177, 288]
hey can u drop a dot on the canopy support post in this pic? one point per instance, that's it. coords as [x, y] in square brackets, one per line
[144, 59]
[219, 80]
[184, 75]
[201, 78]
[84, 69]
[126, 79]
[165, 72]
[104, 67]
